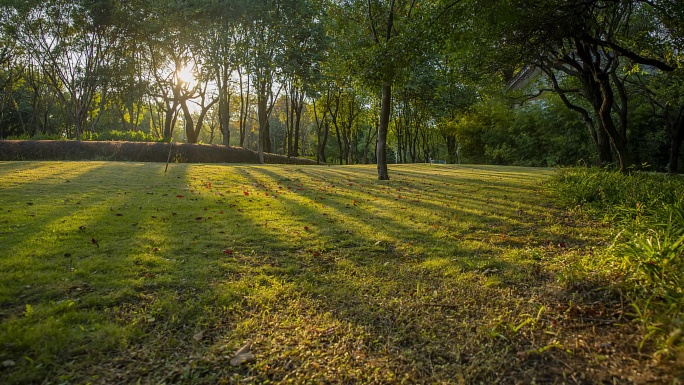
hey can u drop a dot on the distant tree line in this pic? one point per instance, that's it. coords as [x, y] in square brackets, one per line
[521, 82]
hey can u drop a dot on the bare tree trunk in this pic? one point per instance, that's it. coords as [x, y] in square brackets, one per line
[297, 123]
[263, 122]
[451, 148]
[385, 110]
[677, 138]
[224, 109]
[244, 109]
[618, 140]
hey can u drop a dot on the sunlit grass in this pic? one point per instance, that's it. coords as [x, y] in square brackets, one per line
[119, 272]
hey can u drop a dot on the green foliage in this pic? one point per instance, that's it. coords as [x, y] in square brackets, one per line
[648, 251]
[653, 249]
[613, 194]
[114, 135]
[127, 136]
[541, 133]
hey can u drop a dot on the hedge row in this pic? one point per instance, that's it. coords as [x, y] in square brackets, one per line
[134, 152]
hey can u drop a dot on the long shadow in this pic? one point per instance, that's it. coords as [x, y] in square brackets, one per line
[40, 235]
[366, 302]
[232, 268]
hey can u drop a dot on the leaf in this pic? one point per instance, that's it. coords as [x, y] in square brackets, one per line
[246, 192]
[198, 336]
[180, 196]
[94, 242]
[228, 252]
[241, 356]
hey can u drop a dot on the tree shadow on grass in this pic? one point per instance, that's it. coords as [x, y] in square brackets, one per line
[357, 295]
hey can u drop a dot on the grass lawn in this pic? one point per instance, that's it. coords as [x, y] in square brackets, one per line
[121, 273]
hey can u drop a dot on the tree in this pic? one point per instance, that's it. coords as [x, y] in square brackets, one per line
[73, 43]
[590, 42]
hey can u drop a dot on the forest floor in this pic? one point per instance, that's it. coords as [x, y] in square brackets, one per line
[122, 273]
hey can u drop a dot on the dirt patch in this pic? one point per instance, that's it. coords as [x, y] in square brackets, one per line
[135, 152]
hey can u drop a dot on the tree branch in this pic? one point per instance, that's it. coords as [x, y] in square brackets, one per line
[629, 54]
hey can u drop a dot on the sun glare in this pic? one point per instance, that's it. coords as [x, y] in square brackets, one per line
[186, 75]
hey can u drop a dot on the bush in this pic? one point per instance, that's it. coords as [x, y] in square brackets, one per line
[122, 136]
[114, 135]
[647, 210]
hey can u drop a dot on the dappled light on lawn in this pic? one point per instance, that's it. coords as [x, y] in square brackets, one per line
[115, 272]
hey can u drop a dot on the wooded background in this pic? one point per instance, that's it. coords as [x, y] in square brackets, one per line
[518, 82]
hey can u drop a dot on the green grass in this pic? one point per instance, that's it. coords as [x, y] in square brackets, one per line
[646, 257]
[121, 273]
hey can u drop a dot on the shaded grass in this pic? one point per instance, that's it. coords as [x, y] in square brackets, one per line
[118, 272]
[646, 258]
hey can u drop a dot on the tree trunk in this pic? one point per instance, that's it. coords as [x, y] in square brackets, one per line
[339, 141]
[289, 108]
[324, 142]
[369, 139]
[297, 123]
[451, 148]
[385, 110]
[676, 141]
[190, 135]
[619, 141]
[244, 109]
[224, 116]
[263, 123]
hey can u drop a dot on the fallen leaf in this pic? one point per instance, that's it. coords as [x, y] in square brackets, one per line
[228, 252]
[241, 356]
[94, 242]
[198, 336]
[180, 196]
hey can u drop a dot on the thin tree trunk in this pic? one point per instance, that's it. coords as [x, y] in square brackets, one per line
[385, 110]
[297, 123]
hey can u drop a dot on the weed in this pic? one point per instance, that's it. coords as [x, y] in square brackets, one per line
[646, 257]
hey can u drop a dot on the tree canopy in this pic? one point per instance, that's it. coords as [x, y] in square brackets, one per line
[512, 82]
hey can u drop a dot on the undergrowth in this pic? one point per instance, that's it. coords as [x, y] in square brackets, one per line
[646, 257]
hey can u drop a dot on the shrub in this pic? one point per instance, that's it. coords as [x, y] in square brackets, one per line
[647, 210]
[120, 136]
